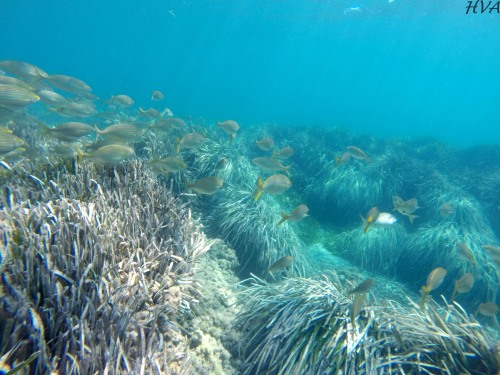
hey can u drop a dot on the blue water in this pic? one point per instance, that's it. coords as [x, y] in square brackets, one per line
[405, 68]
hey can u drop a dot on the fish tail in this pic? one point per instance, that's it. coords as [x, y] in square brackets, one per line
[187, 184]
[453, 294]
[412, 217]
[177, 146]
[97, 133]
[258, 193]
[231, 137]
[284, 217]
[287, 170]
[45, 129]
[79, 155]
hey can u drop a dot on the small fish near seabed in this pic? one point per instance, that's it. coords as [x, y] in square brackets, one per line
[270, 164]
[69, 84]
[164, 166]
[446, 210]
[23, 70]
[123, 101]
[68, 131]
[15, 97]
[265, 144]
[357, 153]
[465, 252]
[189, 141]
[280, 264]
[342, 160]
[406, 208]
[297, 214]
[208, 185]
[108, 155]
[364, 287]
[434, 280]
[494, 253]
[129, 133]
[285, 153]
[274, 185]
[157, 95]
[221, 164]
[9, 142]
[463, 285]
[230, 127]
[171, 123]
[371, 217]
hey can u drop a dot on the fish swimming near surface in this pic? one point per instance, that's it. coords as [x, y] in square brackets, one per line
[434, 280]
[276, 184]
[281, 264]
[285, 153]
[297, 214]
[265, 144]
[208, 185]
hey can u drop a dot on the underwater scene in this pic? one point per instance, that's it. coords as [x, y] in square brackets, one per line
[237, 187]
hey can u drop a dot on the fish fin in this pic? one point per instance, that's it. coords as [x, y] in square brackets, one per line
[177, 146]
[186, 184]
[284, 217]
[258, 193]
[412, 217]
[98, 132]
[45, 129]
[79, 154]
[231, 137]
[287, 169]
[453, 295]
[366, 228]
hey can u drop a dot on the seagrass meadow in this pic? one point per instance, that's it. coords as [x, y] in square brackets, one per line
[133, 241]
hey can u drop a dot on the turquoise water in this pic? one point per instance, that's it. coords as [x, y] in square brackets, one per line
[375, 67]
